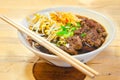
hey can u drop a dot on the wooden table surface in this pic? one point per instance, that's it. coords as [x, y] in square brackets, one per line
[16, 61]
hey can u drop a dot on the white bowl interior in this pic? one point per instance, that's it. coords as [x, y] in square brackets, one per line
[103, 20]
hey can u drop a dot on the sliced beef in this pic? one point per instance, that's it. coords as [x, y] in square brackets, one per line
[95, 35]
[70, 50]
[86, 49]
[94, 38]
[75, 42]
[90, 23]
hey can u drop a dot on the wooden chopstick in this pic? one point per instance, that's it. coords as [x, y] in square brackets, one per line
[60, 53]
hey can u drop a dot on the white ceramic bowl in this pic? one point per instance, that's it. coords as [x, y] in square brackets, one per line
[106, 22]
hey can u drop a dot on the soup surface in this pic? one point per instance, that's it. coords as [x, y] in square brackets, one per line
[73, 33]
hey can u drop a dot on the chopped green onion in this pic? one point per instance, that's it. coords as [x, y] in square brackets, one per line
[73, 29]
[68, 34]
[67, 30]
[78, 24]
[68, 24]
[61, 33]
[83, 35]
[63, 28]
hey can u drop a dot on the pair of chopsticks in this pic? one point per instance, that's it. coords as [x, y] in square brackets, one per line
[57, 51]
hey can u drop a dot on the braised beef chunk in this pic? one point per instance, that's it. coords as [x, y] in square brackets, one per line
[75, 42]
[69, 50]
[90, 23]
[89, 37]
[86, 49]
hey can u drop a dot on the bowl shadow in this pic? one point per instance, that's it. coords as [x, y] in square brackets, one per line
[46, 71]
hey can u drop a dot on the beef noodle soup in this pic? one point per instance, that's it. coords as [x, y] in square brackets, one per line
[72, 33]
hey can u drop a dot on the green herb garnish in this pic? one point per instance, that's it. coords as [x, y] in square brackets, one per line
[62, 31]
[67, 30]
[68, 24]
[68, 34]
[83, 35]
[78, 24]
[73, 29]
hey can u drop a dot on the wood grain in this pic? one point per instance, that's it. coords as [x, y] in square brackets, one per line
[107, 62]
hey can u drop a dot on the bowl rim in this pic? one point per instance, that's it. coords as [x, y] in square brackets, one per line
[20, 34]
